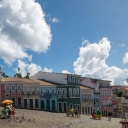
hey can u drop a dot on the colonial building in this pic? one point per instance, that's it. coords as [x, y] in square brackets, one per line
[48, 95]
[11, 88]
[31, 94]
[105, 97]
[68, 93]
[92, 83]
[115, 107]
[86, 100]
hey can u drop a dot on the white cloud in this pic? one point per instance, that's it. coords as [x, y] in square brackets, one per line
[65, 71]
[47, 70]
[55, 20]
[92, 63]
[22, 27]
[125, 59]
[32, 68]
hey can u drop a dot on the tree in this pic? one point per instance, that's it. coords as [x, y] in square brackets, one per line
[119, 94]
[27, 76]
[18, 75]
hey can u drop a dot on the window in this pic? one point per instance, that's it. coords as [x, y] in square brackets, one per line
[53, 90]
[13, 87]
[42, 91]
[77, 91]
[70, 91]
[82, 96]
[90, 96]
[59, 91]
[7, 87]
[64, 91]
[76, 80]
[73, 79]
[36, 103]
[74, 91]
[85, 96]
[30, 89]
[47, 90]
[19, 87]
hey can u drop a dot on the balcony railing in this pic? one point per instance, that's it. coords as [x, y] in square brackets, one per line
[103, 106]
[105, 87]
[87, 100]
[13, 91]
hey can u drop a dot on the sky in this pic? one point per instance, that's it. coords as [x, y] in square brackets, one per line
[84, 37]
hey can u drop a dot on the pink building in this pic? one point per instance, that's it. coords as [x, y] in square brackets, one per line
[106, 100]
[11, 88]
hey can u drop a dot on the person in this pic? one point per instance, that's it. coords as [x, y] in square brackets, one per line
[4, 113]
[8, 107]
[109, 116]
[13, 111]
[72, 111]
[68, 111]
[93, 114]
[76, 112]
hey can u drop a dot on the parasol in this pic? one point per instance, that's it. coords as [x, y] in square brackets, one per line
[7, 102]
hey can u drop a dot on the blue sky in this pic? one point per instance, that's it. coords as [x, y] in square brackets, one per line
[84, 37]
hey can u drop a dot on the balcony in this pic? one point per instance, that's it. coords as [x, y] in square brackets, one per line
[104, 106]
[53, 94]
[42, 94]
[96, 103]
[25, 92]
[7, 91]
[115, 110]
[36, 92]
[109, 87]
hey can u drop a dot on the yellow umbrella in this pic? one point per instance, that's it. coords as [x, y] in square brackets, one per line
[7, 102]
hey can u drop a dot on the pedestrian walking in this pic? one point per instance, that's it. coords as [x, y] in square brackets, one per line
[109, 116]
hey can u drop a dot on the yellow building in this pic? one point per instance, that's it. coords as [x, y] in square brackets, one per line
[31, 94]
[86, 95]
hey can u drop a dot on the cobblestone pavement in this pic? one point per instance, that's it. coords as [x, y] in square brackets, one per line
[41, 119]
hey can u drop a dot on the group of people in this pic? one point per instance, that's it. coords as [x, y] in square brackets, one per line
[72, 112]
[7, 111]
[97, 114]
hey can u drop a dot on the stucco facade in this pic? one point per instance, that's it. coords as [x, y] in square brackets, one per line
[31, 94]
[11, 88]
[86, 100]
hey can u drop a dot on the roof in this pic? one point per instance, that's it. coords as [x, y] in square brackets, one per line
[96, 79]
[29, 81]
[44, 83]
[56, 73]
[84, 87]
[10, 79]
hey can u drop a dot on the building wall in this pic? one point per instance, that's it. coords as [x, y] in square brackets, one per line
[97, 101]
[47, 97]
[52, 77]
[31, 97]
[30, 93]
[71, 98]
[106, 100]
[12, 94]
[86, 101]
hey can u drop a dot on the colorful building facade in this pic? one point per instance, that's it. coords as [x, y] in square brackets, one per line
[11, 88]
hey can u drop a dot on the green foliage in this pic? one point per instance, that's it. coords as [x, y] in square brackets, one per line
[119, 94]
[18, 75]
[27, 76]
